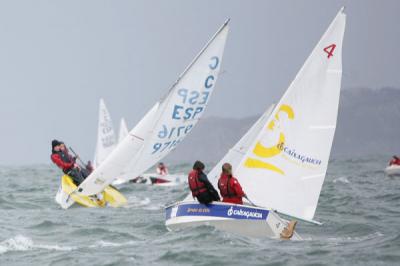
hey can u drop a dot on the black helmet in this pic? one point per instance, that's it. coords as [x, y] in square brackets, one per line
[54, 143]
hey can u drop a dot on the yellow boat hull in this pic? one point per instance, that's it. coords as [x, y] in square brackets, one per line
[111, 196]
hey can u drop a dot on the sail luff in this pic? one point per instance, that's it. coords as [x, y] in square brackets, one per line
[195, 60]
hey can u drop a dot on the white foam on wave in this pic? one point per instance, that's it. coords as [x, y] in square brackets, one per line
[103, 243]
[341, 179]
[357, 238]
[23, 243]
[142, 202]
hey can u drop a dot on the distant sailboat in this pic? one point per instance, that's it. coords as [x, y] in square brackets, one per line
[167, 123]
[106, 139]
[123, 130]
[284, 166]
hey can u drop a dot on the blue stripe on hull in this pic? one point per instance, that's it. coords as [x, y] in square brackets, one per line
[216, 210]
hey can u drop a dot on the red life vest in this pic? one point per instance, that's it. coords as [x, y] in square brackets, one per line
[394, 162]
[230, 189]
[63, 160]
[196, 186]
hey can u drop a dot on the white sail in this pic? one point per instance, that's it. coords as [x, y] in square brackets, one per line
[123, 130]
[286, 165]
[106, 140]
[236, 153]
[167, 124]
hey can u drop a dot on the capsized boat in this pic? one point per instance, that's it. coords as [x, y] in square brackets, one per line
[66, 198]
[282, 160]
[167, 123]
[392, 170]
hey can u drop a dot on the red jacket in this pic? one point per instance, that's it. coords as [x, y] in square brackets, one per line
[65, 162]
[394, 162]
[230, 189]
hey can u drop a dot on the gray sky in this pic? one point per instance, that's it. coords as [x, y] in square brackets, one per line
[57, 58]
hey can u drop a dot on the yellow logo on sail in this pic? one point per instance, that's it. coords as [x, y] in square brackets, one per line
[267, 152]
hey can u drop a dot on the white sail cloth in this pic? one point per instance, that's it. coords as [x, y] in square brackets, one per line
[123, 130]
[167, 123]
[285, 167]
[106, 140]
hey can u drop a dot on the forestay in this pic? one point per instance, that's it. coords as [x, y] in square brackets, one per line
[169, 121]
[106, 140]
[123, 130]
[286, 165]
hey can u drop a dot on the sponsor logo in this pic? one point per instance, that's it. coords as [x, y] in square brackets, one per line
[298, 156]
[247, 214]
[198, 210]
[262, 154]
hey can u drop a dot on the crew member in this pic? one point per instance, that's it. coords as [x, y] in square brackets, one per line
[61, 157]
[201, 188]
[395, 160]
[229, 186]
[162, 169]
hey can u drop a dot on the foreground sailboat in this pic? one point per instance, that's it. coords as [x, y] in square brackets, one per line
[166, 124]
[281, 162]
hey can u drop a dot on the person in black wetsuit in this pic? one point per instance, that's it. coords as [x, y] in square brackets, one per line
[200, 186]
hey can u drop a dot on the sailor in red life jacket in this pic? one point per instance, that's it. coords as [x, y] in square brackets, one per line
[201, 188]
[61, 157]
[395, 160]
[162, 169]
[229, 186]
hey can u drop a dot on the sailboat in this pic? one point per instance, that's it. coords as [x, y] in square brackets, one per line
[167, 123]
[123, 130]
[284, 166]
[106, 139]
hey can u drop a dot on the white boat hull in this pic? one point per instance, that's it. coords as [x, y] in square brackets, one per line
[240, 219]
[392, 170]
[63, 199]
[149, 179]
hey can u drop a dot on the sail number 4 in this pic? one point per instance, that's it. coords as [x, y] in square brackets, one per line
[329, 50]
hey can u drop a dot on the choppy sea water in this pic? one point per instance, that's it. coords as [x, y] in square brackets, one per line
[359, 206]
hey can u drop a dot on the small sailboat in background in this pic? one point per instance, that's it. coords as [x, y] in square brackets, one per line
[167, 123]
[123, 130]
[106, 139]
[393, 169]
[281, 162]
